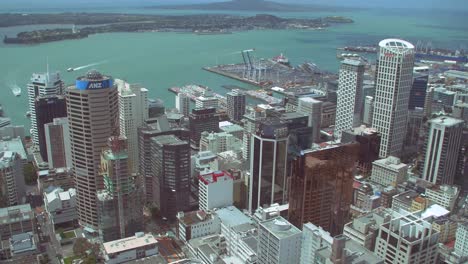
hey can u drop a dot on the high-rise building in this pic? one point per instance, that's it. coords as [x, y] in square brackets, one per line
[171, 169]
[202, 120]
[119, 202]
[394, 78]
[47, 108]
[369, 141]
[16, 220]
[321, 186]
[389, 171]
[216, 190]
[348, 114]
[368, 110]
[313, 239]
[153, 127]
[443, 145]
[418, 91]
[156, 108]
[236, 105]
[312, 108]
[42, 84]
[183, 104]
[407, 238]
[133, 111]
[13, 189]
[207, 100]
[219, 142]
[92, 110]
[278, 242]
[57, 137]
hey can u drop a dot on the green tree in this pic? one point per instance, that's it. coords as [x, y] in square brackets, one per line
[30, 175]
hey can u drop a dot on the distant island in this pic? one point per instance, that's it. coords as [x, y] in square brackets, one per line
[106, 23]
[248, 5]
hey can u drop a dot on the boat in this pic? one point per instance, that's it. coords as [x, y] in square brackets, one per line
[70, 69]
[16, 90]
[281, 59]
[28, 114]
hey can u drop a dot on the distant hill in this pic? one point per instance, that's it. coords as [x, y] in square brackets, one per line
[248, 5]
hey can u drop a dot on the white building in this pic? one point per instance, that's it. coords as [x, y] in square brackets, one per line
[12, 185]
[395, 63]
[42, 84]
[207, 100]
[197, 224]
[183, 104]
[407, 238]
[445, 195]
[389, 171]
[313, 239]
[278, 242]
[60, 205]
[57, 136]
[363, 230]
[443, 145]
[461, 240]
[219, 142]
[349, 104]
[368, 110]
[215, 190]
[133, 111]
[313, 108]
[131, 248]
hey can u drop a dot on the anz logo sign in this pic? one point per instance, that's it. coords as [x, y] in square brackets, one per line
[95, 85]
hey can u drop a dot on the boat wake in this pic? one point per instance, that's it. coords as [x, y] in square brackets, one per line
[89, 65]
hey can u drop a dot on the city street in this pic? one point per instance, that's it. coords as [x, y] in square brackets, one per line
[47, 237]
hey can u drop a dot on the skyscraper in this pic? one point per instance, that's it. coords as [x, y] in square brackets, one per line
[321, 187]
[119, 203]
[57, 137]
[348, 111]
[42, 84]
[47, 108]
[394, 79]
[171, 169]
[133, 111]
[202, 120]
[418, 91]
[207, 100]
[443, 145]
[312, 108]
[12, 184]
[92, 109]
[235, 105]
[183, 104]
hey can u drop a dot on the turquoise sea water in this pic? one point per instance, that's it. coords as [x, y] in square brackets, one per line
[161, 60]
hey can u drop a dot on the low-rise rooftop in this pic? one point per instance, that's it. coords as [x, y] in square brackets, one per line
[129, 243]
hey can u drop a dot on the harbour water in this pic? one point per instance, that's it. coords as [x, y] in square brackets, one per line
[162, 60]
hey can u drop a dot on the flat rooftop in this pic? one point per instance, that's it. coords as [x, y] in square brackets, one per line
[280, 227]
[129, 243]
[14, 145]
[231, 216]
[446, 121]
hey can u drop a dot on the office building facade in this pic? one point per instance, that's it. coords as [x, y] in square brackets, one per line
[394, 79]
[201, 120]
[183, 104]
[57, 138]
[236, 102]
[312, 108]
[92, 110]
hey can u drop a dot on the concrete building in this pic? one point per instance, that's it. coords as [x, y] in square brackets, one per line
[196, 224]
[407, 238]
[389, 171]
[12, 185]
[278, 242]
[127, 249]
[156, 108]
[202, 120]
[445, 195]
[236, 102]
[171, 170]
[215, 190]
[92, 110]
[219, 142]
[120, 201]
[133, 111]
[461, 240]
[9, 131]
[328, 114]
[321, 187]
[418, 91]
[313, 108]
[446, 227]
[346, 251]
[368, 110]
[48, 107]
[203, 162]
[211, 250]
[60, 206]
[20, 248]
[313, 239]
[349, 105]
[15, 220]
[394, 79]
[404, 200]
[363, 230]
[444, 96]
[57, 138]
[443, 145]
[42, 84]
[59, 177]
[183, 104]
[207, 100]
[232, 129]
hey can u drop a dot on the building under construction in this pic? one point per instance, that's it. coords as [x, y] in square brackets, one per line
[321, 186]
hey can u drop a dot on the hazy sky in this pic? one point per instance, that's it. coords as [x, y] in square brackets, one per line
[446, 4]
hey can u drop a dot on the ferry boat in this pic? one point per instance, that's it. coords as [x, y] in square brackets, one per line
[16, 90]
[282, 59]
